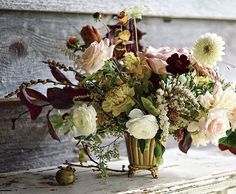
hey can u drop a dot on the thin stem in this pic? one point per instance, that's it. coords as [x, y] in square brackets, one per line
[93, 166]
[107, 28]
[136, 34]
[23, 113]
[85, 146]
[108, 145]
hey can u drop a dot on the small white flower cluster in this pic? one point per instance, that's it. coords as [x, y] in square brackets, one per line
[188, 94]
[164, 120]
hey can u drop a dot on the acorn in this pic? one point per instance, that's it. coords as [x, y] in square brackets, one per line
[66, 175]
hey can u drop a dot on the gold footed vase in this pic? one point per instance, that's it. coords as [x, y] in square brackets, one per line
[139, 160]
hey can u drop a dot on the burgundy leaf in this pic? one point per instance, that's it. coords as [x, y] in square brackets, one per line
[35, 94]
[59, 99]
[232, 150]
[59, 76]
[224, 147]
[186, 142]
[34, 110]
[51, 129]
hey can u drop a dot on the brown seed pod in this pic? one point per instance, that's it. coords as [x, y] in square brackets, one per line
[90, 34]
[65, 176]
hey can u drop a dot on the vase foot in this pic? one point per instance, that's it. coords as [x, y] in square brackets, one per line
[133, 169]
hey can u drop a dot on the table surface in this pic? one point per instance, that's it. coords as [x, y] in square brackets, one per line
[200, 171]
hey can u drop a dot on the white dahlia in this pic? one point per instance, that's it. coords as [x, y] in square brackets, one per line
[208, 49]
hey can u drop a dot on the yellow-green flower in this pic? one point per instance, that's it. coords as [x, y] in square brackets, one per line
[137, 11]
[117, 99]
[208, 49]
[133, 63]
[202, 80]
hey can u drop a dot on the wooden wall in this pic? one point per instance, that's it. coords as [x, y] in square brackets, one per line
[28, 37]
[30, 30]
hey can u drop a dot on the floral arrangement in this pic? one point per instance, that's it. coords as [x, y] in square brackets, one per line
[122, 87]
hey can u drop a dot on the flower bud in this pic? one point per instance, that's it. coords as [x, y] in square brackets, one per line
[90, 34]
[72, 42]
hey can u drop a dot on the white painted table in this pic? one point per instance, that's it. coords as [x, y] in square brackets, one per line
[201, 171]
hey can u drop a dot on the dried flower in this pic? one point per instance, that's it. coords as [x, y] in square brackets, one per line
[97, 16]
[208, 49]
[123, 18]
[124, 35]
[90, 34]
[73, 42]
[178, 64]
[205, 71]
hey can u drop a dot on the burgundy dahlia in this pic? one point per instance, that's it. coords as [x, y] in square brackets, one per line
[177, 64]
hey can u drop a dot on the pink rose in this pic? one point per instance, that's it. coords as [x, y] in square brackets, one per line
[156, 58]
[216, 125]
[95, 56]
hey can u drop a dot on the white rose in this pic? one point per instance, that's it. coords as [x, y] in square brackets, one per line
[95, 56]
[216, 125]
[142, 126]
[84, 118]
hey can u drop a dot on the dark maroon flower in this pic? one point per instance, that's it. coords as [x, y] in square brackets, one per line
[177, 64]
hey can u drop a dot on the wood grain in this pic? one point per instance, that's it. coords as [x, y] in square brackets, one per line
[210, 9]
[29, 145]
[208, 171]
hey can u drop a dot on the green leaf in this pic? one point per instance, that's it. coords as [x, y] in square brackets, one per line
[158, 135]
[230, 140]
[97, 139]
[148, 105]
[128, 108]
[142, 144]
[146, 82]
[160, 160]
[80, 137]
[159, 150]
[228, 132]
[138, 90]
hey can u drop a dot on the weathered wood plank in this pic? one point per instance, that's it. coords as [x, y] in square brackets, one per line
[210, 9]
[208, 171]
[29, 145]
